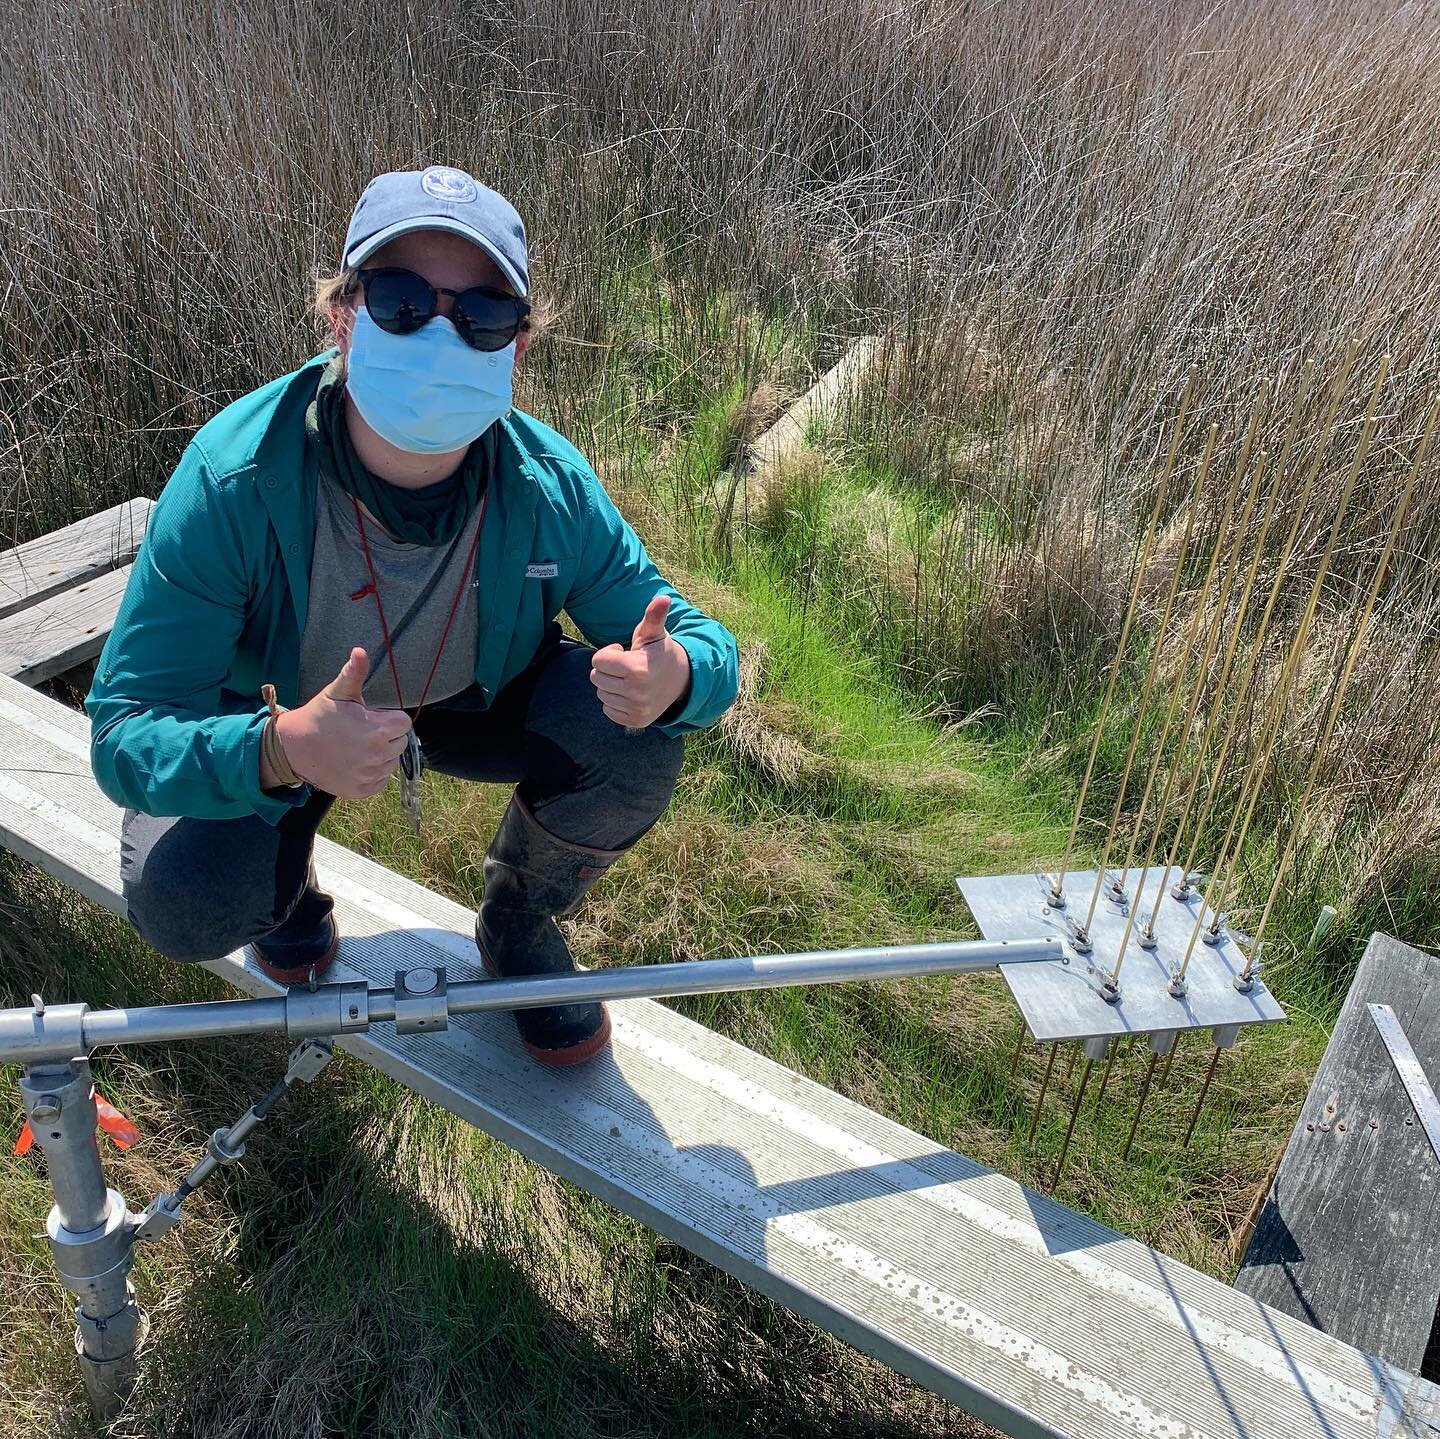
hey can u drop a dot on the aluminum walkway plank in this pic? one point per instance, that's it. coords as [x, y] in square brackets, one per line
[1027, 1314]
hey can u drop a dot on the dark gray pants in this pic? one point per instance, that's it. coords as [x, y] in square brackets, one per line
[197, 889]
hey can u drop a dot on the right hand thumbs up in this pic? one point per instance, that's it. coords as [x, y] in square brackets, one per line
[349, 684]
[337, 742]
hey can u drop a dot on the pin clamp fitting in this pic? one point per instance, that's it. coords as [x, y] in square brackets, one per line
[1249, 974]
[420, 1001]
[44, 1034]
[327, 1009]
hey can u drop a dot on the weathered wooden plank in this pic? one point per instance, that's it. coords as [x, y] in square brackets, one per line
[1349, 1238]
[739, 488]
[54, 562]
[1027, 1314]
[55, 634]
[816, 405]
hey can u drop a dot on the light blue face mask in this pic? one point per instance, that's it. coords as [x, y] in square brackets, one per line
[426, 392]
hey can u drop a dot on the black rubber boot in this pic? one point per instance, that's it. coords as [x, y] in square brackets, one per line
[303, 945]
[531, 876]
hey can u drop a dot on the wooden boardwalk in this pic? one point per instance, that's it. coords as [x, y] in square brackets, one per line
[59, 593]
[1021, 1311]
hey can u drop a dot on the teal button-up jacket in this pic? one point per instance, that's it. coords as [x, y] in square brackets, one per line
[217, 597]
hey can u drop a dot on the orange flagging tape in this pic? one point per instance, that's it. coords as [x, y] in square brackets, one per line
[122, 1133]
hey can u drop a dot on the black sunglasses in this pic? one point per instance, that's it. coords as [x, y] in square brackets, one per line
[400, 301]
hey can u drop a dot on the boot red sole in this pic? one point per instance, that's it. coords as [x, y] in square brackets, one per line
[571, 1054]
[300, 973]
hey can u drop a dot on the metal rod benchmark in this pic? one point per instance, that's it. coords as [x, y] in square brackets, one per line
[422, 999]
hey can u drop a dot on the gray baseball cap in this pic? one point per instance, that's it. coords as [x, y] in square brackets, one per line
[439, 198]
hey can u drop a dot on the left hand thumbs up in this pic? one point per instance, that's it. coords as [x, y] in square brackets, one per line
[639, 684]
[652, 622]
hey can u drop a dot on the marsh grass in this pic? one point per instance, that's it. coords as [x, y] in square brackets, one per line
[1053, 216]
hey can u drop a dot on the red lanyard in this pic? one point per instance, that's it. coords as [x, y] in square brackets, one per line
[374, 589]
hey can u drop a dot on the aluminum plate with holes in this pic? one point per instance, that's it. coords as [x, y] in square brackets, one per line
[1062, 999]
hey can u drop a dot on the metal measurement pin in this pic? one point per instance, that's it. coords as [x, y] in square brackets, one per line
[1094, 1049]
[410, 767]
[1112, 1048]
[1131, 609]
[1152, 670]
[1236, 626]
[1192, 690]
[1200, 1101]
[1019, 1048]
[1356, 643]
[1169, 1064]
[1162, 1043]
[1224, 1038]
[1044, 1085]
[1280, 696]
[1287, 550]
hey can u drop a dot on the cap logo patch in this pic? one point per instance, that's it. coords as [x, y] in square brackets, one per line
[445, 182]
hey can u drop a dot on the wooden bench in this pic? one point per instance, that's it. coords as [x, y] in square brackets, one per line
[1027, 1314]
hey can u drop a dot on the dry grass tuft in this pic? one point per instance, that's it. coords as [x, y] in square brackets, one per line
[761, 734]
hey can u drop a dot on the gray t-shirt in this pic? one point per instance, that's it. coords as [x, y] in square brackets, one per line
[417, 587]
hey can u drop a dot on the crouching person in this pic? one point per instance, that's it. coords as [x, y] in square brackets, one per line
[385, 540]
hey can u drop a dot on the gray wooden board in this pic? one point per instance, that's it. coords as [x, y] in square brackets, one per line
[54, 562]
[55, 634]
[1026, 1313]
[1349, 1238]
[816, 405]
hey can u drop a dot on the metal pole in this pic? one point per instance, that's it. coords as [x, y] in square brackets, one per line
[422, 1000]
[90, 1231]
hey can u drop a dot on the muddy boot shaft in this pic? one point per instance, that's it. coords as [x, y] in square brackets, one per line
[530, 877]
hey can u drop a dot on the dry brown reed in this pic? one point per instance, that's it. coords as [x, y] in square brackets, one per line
[1055, 213]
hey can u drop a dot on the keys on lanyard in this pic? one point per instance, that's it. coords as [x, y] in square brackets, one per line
[410, 781]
